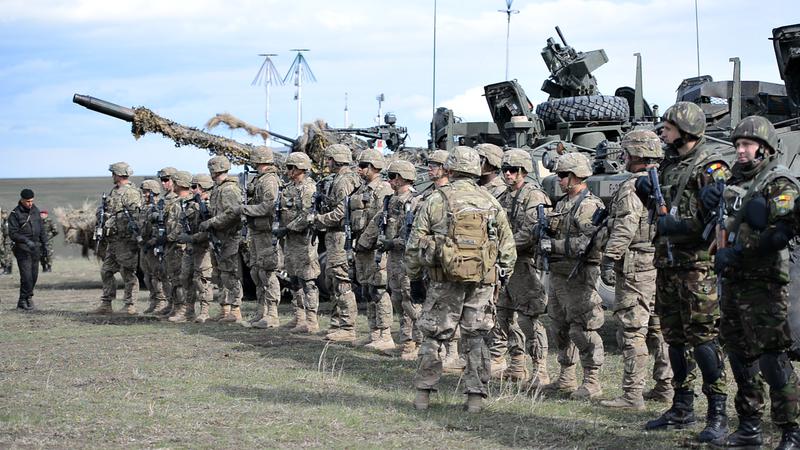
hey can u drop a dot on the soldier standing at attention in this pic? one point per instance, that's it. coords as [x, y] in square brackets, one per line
[226, 224]
[168, 195]
[525, 296]
[686, 293]
[301, 261]
[491, 159]
[366, 203]
[122, 253]
[27, 232]
[149, 261]
[574, 304]
[338, 158]
[759, 200]
[175, 249]
[627, 264]
[462, 239]
[50, 231]
[196, 265]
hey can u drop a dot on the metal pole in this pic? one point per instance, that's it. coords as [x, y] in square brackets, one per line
[697, 35]
[299, 99]
[508, 34]
[433, 108]
[266, 113]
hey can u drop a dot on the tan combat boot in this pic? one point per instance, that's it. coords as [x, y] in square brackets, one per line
[298, 323]
[203, 316]
[566, 383]
[341, 335]
[628, 400]
[409, 351]
[453, 362]
[161, 304]
[661, 392]
[260, 320]
[234, 316]
[368, 339]
[130, 309]
[590, 387]
[384, 343]
[166, 311]
[422, 400]
[474, 403]
[312, 322]
[178, 314]
[190, 314]
[272, 315]
[540, 377]
[224, 310]
[517, 371]
[498, 366]
[104, 308]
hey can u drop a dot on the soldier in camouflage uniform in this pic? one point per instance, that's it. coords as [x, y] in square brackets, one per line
[260, 215]
[574, 304]
[627, 264]
[491, 159]
[524, 299]
[301, 261]
[6, 255]
[122, 254]
[686, 294]
[334, 191]
[225, 223]
[753, 265]
[175, 253]
[365, 204]
[150, 262]
[167, 196]
[463, 274]
[51, 231]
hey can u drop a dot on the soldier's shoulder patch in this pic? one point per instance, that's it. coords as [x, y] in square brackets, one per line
[783, 204]
[717, 171]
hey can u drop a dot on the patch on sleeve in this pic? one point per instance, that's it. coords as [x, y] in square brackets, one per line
[717, 172]
[782, 204]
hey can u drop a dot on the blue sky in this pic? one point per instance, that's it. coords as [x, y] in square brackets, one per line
[189, 60]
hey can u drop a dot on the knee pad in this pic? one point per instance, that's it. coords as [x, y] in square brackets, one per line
[679, 363]
[742, 370]
[709, 360]
[776, 369]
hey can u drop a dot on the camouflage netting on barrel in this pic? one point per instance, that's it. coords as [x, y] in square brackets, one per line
[78, 227]
[317, 135]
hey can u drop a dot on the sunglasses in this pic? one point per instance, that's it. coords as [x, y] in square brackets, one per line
[510, 169]
[434, 166]
[289, 167]
[165, 179]
[563, 174]
[364, 165]
[194, 186]
[392, 176]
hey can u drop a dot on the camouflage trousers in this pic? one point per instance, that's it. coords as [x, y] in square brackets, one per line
[686, 302]
[227, 272]
[755, 333]
[400, 291]
[173, 261]
[47, 256]
[153, 275]
[575, 310]
[121, 256]
[337, 276]
[448, 305]
[373, 280]
[658, 349]
[264, 262]
[301, 263]
[196, 274]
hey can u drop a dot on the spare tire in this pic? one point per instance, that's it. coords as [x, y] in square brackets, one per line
[585, 108]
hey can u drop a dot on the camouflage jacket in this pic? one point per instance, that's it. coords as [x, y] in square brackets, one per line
[521, 208]
[397, 213]
[225, 197]
[50, 228]
[432, 221]
[342, 185]
[571, 230]
[628, 226]
[124, 197]
[366, 204]
[260, 210]
[297, 202]
[176, 218]
[496, 187]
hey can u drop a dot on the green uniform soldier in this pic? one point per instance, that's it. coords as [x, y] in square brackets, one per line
[6, 255]
[301, 261]
[150, 260]
[491, 159]
[175, 252]
[331, 218]
[122, 240]
[524, 300]
[574, 304]
[752, 261]
[686, 294]
[627, 264]
[167, 196]
[51, 231]
[462, 239]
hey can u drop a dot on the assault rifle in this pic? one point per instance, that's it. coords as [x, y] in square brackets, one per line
[542, 225]
[409, 221]
[243, 181]
[382, 227]
[276, 221]
[660, 206]
[216, 244]
[721, 235]
[100, 223]
[161, 232]
[599, 219]
[316, 203]
[348, 233]
[133, 227]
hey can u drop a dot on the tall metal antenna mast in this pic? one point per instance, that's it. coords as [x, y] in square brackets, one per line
[508, 12]
[697, 35]
[299, 72]
[346, 113]
[433, 109]
[380, 98]
[267, 74]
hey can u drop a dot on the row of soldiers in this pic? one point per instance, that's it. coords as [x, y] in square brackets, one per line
[481, 256]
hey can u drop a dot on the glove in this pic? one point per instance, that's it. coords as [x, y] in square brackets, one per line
[280, 233]
[546, 245]
[670, 225]
[386, 244]
[418, 291]
[643, 187]
[607, 273]
[205, 225]
[710, 195]
[184, 238]
[756, 213]
[727, 257]
[775, 239]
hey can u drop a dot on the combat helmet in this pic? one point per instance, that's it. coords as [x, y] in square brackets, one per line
[203, 180]
[261, 155]
[574, 162]
[405, 169]
[688, 117]
[121, 169]
[339, 153]
[465, 160]
[373, 157]
[182, 179]
[492, 153]
[219, 163]
[299, 160]
[643, 143]
[166, 172]
[757, 128]
[517, 157]
[438, 156]
[152, 186]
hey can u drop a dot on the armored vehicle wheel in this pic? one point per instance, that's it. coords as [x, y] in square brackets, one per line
[584, 108]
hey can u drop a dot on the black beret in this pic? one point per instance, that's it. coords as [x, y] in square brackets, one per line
[26, 194]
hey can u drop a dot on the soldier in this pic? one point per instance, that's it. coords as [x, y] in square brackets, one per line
[122, 237]
[627, 264]
[225, 225]
[460, 236]
[50, 231]
[366, 203]
[7, 254]
[301, 261]
[491, 159]
[686, 295]
[260, 215]
[331, 218]
[525, 295]
[175, 253]
[574, 304]
[150, 260]
[196, 268]
[165, 175]
[27, 232]
[168, 195]
[752, 261]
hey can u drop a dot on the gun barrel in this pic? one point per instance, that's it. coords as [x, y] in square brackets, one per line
[102, 106]
[561, 36]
